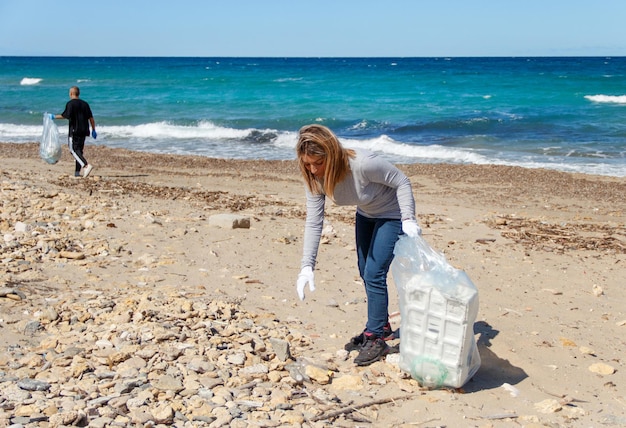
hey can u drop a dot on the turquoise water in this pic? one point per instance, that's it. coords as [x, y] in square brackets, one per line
[567, 114]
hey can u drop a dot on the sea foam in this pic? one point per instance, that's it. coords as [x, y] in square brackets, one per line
[28, 81]
[615, 99]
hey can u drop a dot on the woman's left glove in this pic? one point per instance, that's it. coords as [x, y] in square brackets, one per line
[411, 228]
[305, 276]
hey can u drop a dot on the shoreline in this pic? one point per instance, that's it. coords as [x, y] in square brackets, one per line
[546, 250]
[110, 157]
[520, 187]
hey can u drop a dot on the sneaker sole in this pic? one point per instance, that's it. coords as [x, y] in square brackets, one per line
[373, 360]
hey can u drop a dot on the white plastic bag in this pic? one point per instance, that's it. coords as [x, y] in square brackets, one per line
[438, 306]
[50, 146]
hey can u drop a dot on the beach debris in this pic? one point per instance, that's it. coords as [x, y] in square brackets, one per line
[500, 416]
[597, 290]
[511, 389]
[538, 234]
[355, 408]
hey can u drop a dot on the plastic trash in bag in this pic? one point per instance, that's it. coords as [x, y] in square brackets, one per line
[438, 306]
[50, 147]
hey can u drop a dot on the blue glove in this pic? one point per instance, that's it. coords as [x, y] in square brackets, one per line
[94, 134]
[51, 116]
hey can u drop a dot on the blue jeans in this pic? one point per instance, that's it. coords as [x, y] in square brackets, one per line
[375, 241]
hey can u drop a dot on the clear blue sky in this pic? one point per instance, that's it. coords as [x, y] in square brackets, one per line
[276, 28]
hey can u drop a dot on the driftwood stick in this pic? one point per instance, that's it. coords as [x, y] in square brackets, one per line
[350, 409]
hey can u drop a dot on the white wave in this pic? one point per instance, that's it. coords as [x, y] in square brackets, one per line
[288, 79]
[151, 131]
[165, 130]
[10, 132]
[434, 152]
[605, 169]
[208, 139]
[363, 124]
[28, 81]
[287, 140]
[615, 99]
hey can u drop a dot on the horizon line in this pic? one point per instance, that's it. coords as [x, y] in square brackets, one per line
[314, 56]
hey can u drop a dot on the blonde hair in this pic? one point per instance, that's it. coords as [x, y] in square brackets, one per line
[319, 141]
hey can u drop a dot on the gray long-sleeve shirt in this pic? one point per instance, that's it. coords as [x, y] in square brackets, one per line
[375, 186]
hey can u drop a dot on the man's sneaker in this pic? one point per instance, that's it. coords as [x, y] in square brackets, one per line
[372, 350]
[87, 170]
[357, 341]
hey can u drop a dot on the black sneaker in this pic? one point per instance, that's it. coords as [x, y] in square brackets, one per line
[372, 350]
[357, 341]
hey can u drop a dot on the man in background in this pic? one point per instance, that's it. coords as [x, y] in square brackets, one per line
[80, 117]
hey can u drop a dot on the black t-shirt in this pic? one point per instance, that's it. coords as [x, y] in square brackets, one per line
[78, 113]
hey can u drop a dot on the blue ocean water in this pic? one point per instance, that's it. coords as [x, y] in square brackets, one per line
[560, 113]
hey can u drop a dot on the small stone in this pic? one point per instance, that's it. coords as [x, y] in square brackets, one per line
[237, 359]
[32, 327]
[169, 383]
[73, 255]
[33, 385]
[229, 221]
[348, 382]
[256, 370]
[318, 374]
[602, 369]
[163, 414]
[281, 348]
[548, 406]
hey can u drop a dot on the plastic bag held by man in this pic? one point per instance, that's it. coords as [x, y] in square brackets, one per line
[50, 147]
[438, 306]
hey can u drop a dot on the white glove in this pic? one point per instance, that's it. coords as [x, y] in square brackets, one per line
[411, 229]
[306, 275]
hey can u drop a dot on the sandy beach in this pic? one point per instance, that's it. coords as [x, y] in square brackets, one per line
[96, 259]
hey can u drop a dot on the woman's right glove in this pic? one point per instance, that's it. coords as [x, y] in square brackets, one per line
[305, 276]
[411, 228]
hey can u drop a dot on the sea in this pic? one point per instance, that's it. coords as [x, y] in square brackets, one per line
[561, 113]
